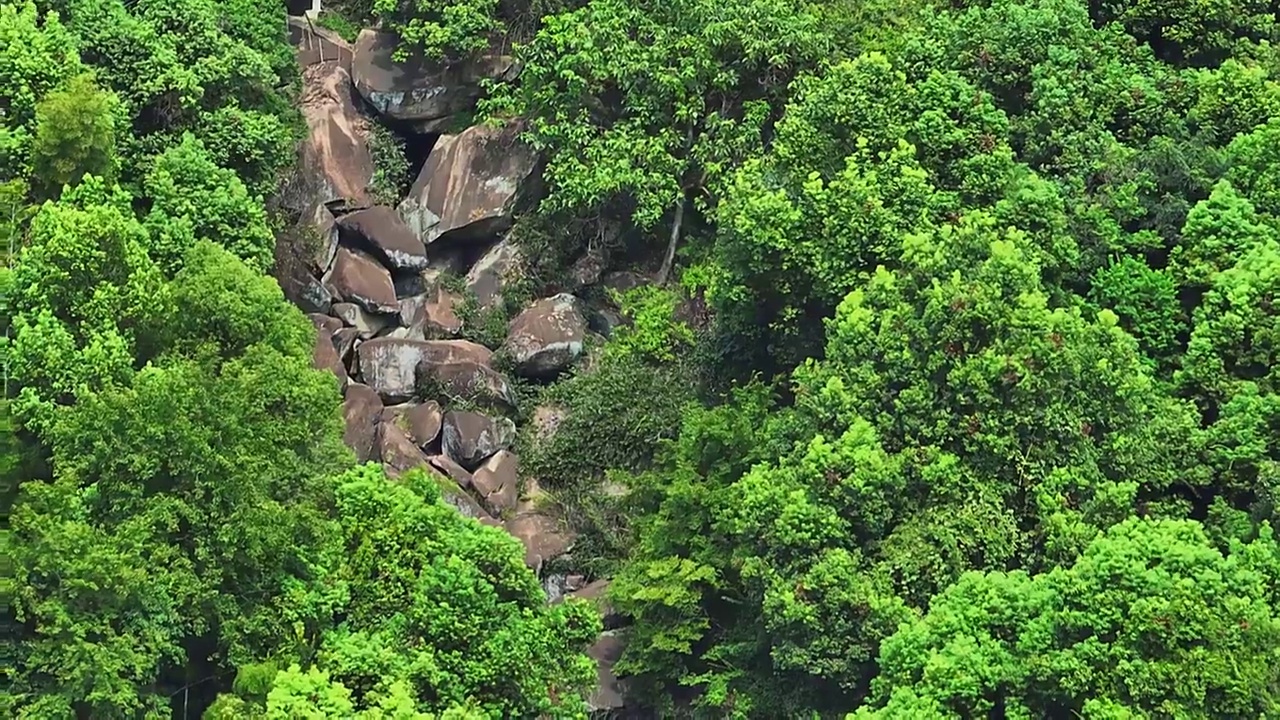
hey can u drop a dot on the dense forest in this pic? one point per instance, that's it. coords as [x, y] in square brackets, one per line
[870, 359]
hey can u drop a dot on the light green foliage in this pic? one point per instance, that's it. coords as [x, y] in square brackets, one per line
[654, 333]
[1152, 620]
[1233, 99]
[1255, 166]
[452, 29]
[253, 143]
[37, 55]
[1146, 301]
[1219, 230]
[75, 136]
[194, 199]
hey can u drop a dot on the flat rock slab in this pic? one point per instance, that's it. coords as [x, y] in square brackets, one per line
[547, 337]
[358, 278]
[361, 407]
[386, 236]
[390, 365]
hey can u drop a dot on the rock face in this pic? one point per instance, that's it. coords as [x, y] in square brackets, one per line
[468, 380]
[496, 482]
[468, 186]
[365, 323]
[497, 268]
[397, 451]
[381, 230]
[430, 96]
[546, 337]
[542, 535]
[336, 151]
[470, 437]
[390, 365]
[325, 356]
[608, 694]
[361, 407]
[358, 278]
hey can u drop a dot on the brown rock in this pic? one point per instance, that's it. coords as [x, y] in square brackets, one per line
[491, 274]
[325, 356]
[365, 323]
[390, 365]
[323, 237]
[303, 289]
[429, 95]
[466, 380]
[361, 407]
[358, 278]
[451, 469]
[496, 482]
[335, 153]
[609, 692]
[546, 337]
[421, 421]
[398, 452]
[597, 593]
[433, 315]
[470, 437]
[468, 186]
[543, 538]
[344, 341]
[380, 229]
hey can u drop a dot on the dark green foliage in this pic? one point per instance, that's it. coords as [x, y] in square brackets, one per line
[390, 166]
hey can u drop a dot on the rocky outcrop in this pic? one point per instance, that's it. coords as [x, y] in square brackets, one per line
[543, 536]
[470, 438]
[358, 278]
[468, 186]
[390, 365]
[397, 451]
[493, 272]
[467, 380]
[546, 337]
[325, 355]
[496, 483]
[361, 407]
[609, 691]
[384, 234]
[430, 96]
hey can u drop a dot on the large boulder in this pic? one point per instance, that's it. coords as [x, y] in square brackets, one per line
[430, 96]
[432, 315]
[500, 266]
[496, 482]
[335, 154]
[470, 438]
[385, 235]
[546, 337]
[361, 408]
[420, 421]
[365, 323]
[358, 278]
[609, 693]
[397, 450]
[468, 380]
[325, 355]
[468, 186]
[303, 289]
[544, 536]
[390, 365]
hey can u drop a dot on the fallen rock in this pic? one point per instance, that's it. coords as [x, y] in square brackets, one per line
[325, 356]
[366, 324]
[496, 483]
[609, 691]
[361, 407]
[303, 289]
[381, 230]
[358, 278]
[433, 315]
[493, 272]
[468, 186]
[323, 231]
[451, 469]
[390, 365]
[543, 538]
[420, 421]
[398, 452]
[465, 380]
[471, 437]
[597, 593]
[335, 154]
[546, 337]
[344, 341]
[429, 95]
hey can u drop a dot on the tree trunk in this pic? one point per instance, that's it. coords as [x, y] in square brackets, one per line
[670, 257]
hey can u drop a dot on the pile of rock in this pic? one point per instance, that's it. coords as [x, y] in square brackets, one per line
[416, 395]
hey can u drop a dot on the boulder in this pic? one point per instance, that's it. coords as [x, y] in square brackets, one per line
[420, 421]
[546, 337]
[433, 315]
[608, 694]
[361, 408]
[493, 272]
[384, 234]
[467, 380]
[431, 96]
[468, 186]
[544, 537]
[451, 469]
[397, 450]
[597, 592]
[496, 483]
[325, 355]
[390, 365]
[358, 278]
[302, 288]
[344, 341]
[365, 323]
[470, 438]
[322, 237]
[623, 280]
[335, 153]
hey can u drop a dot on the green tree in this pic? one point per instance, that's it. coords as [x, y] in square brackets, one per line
[75, 136]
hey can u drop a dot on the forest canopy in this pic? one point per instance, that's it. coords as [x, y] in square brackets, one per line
[950, 389]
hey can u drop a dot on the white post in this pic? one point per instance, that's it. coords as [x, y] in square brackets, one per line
[315, 9]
